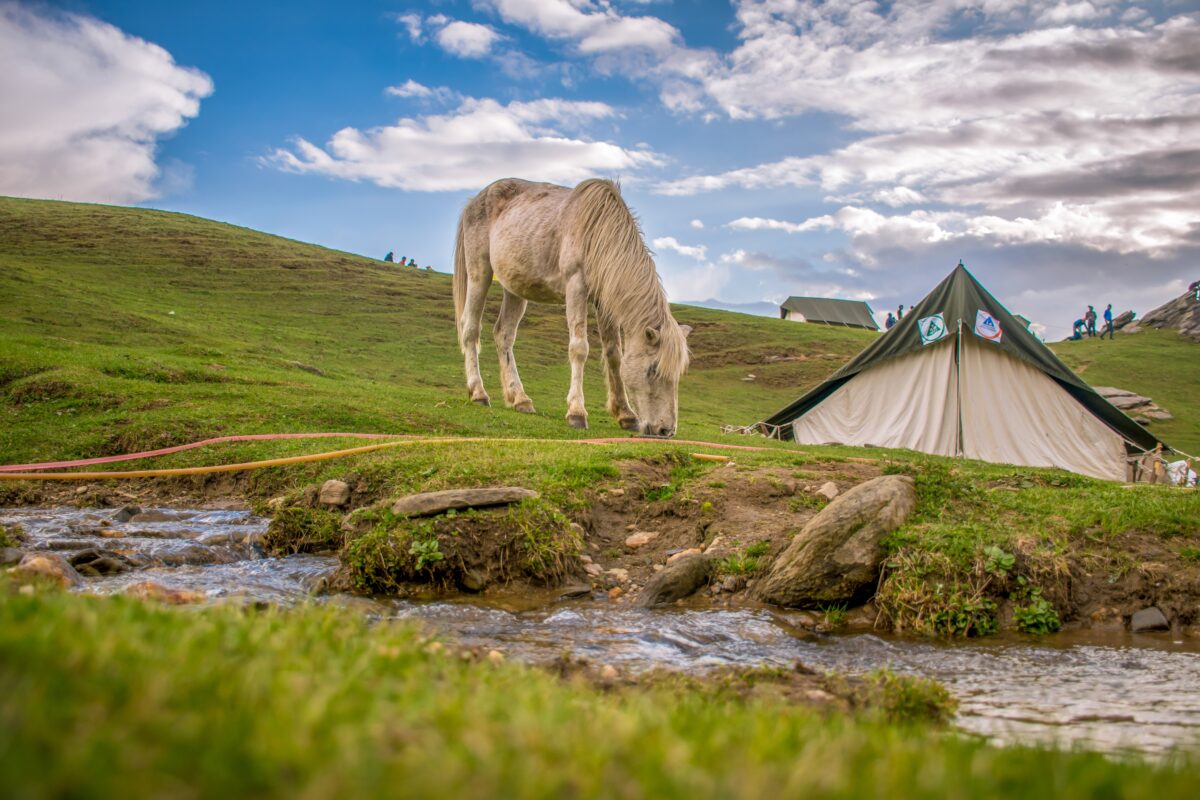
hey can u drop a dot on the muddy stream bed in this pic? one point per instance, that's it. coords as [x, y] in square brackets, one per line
[1104, 691]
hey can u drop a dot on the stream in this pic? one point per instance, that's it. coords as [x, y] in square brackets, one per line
[1102, 691]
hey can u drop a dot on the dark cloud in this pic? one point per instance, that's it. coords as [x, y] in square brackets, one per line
[1117, 54]
[1161, 170]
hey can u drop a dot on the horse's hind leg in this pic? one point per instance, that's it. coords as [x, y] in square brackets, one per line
[512, 309]
[478, 280]
[577, 312]
[618, 403]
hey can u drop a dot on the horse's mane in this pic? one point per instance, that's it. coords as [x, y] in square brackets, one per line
[619, 271]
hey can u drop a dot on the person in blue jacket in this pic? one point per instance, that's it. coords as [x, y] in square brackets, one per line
[1108, 324]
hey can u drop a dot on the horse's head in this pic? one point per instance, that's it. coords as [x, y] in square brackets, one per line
[652, 362]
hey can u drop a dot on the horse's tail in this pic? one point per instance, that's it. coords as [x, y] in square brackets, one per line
[460, 278]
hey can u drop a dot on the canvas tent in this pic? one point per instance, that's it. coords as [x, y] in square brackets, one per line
[961, 376]
[829, 311]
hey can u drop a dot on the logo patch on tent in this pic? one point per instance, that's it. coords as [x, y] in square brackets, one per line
[932, 328]
[987, 327]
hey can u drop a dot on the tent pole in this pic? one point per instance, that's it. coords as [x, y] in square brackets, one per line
[958, 449]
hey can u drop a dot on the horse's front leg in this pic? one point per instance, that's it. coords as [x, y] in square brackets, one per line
[471, 323]
[618, 402]
[512, 309]
[577, 313]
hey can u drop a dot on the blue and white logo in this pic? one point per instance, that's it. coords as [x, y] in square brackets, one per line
[987, 327]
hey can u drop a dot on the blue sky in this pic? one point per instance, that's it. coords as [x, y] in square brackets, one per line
[770, 147]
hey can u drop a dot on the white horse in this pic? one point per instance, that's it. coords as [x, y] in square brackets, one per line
[552, 244]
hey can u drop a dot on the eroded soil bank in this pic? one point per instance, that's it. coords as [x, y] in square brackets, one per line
[1031, 551]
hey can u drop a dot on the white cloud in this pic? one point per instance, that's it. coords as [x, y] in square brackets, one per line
[481, 141]
[697, 224]
[84, 105]
[702, 282]
[697, 252]
[412, 24]
[639, 47]
[409, 88]
[466, 39]
[593, 28]
[872, 233]
[1039, 121]
[762, 224]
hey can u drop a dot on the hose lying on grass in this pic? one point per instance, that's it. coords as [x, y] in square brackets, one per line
[28, 472]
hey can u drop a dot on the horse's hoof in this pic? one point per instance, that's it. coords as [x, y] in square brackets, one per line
[577, 421]
[524, 408]
[630, 423]
[484, 401]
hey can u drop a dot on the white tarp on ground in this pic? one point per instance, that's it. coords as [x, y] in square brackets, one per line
[1011, 412]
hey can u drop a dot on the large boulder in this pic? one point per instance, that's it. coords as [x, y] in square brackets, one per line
[1182, 314]
[429, 503]
[838, 552]
[48, 567]
[677, 580]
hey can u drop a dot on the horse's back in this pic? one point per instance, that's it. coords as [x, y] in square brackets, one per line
[523, 223]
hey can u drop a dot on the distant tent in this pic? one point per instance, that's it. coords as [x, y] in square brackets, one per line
[829, 311]
[960, 376]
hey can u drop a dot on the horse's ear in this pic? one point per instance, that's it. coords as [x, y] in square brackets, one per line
[652, 336]
[686, 330]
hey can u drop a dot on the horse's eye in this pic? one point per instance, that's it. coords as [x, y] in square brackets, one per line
[652, 371]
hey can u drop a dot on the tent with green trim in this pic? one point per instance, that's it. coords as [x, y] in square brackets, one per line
[961, 376]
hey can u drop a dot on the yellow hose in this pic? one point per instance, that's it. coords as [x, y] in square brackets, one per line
[353, 451]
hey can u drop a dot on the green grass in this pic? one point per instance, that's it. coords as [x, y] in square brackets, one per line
[108, 697]
[126, 329]
[1159, 364]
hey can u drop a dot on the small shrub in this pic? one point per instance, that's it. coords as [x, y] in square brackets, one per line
[805, 500]
[1037, 615]
[956, 613]
[758, 549]
[303, 530]
[545, 538]
[998, 562]
[426, 551]
[379, 561]
[747, 562]
[11, 536]
[835, 615]
[907, 699]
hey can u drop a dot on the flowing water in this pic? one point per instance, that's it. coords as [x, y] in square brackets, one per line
[1109, 692]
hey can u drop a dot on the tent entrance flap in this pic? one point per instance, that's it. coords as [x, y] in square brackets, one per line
[1013, 413]
[908, 402]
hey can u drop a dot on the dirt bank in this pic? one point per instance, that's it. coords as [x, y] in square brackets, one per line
[941, 575]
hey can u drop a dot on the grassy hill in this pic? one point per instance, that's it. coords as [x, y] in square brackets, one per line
[1161, 365]
[129, 328]
[126, 328]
